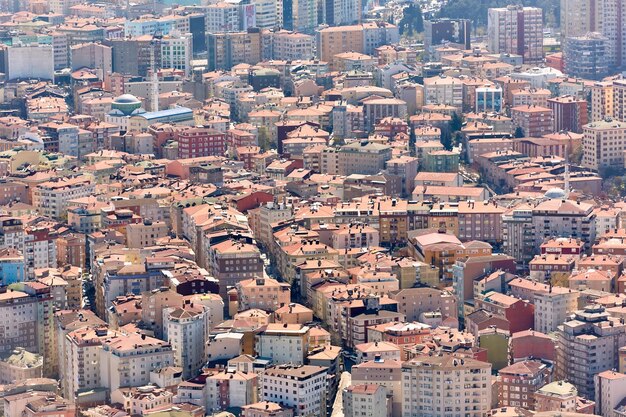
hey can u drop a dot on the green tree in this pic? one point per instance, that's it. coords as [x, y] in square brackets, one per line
[446, 141]
[412, 21]
[456, 123]
[519, 132]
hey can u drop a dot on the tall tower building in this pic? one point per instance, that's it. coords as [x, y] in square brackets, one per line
[607, 17]
[516, 30]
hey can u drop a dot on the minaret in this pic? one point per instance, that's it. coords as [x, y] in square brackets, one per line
[154, 82]
[566, 185]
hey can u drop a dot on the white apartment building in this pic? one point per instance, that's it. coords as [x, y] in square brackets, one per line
[366, 400]
[443, 90]
[51, 197]
[290, 46]
[302, 388]
[283, 343]
[588, 345]
[446, 385]
[126, 361]
[187, 329]
[610, 391]
[177, 52]
[81, 359]
[266, 13]
[222, 17]
[230, 389]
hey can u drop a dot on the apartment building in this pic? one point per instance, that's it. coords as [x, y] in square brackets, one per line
[302, 388]
[233, 261]
[516, 30]
[440, 384]
[200, 141]
[283, 343]
[588, 345]
[20, 365]
[226, 50]
[366, 400]
[585, 55]
[52, 197]
[145, 234]
[262, 293]
[558, 395]
[127, 360]
[226, 389]
[364, 39]
[81, 353]
[534, 121]
[519, 381]
[604, 143]
[186, 328]
[570, 113]
[265, 409]
[610, 392]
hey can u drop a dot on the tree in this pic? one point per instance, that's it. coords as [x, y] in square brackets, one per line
[456, 123]
[412, 21]
[446, 141]
[519, 132]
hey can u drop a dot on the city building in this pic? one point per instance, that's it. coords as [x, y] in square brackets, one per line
[516, 30]
[303, 388]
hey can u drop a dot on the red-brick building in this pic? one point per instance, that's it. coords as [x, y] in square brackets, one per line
[200, 141]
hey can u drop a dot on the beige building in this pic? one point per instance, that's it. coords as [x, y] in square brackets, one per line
[126, 360]
[386, 373]
[265, 409]
[604, 143]
[558, 395]
[587, 345]
[20, 365]
[610, 392]
[431, 382]
[141, 235]
[262, 293]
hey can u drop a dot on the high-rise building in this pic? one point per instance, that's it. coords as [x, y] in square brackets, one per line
[299, 15]
[585, 56]
[177, 52]
[516, 30]
[445, 384]
[610, 391]
[454, 31]
[570, 113]
[604, 143]
[579, 17]
[226, 50]
[187, 329]
[587, 345]
[519, 382]
[339, 12]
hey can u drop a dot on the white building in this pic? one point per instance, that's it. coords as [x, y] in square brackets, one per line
[283, 343]
[177, 51]
[81, 367]
[266, 13]
[302, 388]
[222, 17]
[610, 392]
[31, 61]
[187, 329]
[126, 361]
[366, 400]
[51, 197]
